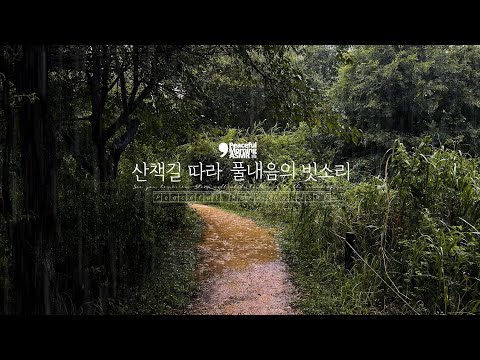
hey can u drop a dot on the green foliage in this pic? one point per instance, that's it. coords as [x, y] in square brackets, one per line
[406, 88]
[443, 262]
[405, 92]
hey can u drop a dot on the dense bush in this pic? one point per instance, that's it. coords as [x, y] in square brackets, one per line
[416, 227]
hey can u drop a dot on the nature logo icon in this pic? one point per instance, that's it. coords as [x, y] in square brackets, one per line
[223, 147]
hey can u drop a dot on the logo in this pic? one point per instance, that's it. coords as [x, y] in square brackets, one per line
[239, 151]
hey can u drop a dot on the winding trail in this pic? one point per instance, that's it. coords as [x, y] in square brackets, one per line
[240, 269]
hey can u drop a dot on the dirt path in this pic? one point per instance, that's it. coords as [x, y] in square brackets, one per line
[241, 271]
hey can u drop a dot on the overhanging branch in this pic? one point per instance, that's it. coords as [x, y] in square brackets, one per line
[74, 150]
[124, 116]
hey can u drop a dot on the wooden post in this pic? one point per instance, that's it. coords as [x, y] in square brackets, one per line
[349, 240]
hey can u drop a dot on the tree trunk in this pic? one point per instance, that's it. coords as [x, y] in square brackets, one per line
[6, 196]
[35, 233]
[251, 110]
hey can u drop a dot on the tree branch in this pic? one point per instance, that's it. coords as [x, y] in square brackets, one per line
[127, 138]
[105, 75]
[123, 118]
[74, 150]
[123, 142]
[123, 92]
[136, 82]
[244, 53]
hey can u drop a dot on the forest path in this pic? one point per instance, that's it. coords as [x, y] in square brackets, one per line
[240, 269]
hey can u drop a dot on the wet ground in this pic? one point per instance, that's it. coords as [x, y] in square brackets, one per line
[241, 271]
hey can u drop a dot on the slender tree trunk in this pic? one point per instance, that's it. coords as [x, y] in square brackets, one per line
[35, 233]
[6, 194]
[410, 119]
[251, 113]
[7, 200]
[102, 160]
